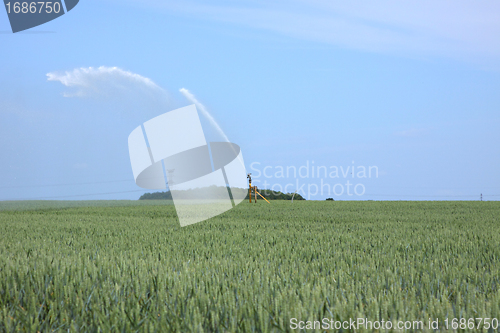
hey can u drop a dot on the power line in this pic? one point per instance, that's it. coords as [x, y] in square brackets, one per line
[433, 187]
[431, 196]
[67, 184]
[76, 195]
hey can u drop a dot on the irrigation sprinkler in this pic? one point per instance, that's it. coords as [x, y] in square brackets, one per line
[254, 189]
[260, 196]
[249, 176]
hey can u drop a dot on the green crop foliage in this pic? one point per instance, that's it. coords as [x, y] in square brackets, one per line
[129, 266]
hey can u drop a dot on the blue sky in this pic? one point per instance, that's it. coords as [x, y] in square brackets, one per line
[409, 87]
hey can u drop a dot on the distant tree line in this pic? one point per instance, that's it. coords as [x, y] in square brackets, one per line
[277, 195]
[219, 193]
[156, 196]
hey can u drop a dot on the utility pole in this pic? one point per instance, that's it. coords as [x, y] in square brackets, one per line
[481, 197]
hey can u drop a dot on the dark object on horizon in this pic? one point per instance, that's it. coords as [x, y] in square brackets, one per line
[329, 199]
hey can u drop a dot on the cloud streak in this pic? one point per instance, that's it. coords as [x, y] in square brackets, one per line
[458, 29]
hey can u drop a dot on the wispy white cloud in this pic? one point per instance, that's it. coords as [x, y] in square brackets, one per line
[460, 29]
[103, 81]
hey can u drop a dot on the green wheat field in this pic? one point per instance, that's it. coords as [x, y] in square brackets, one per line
[126, 266]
